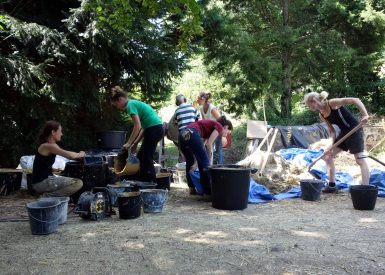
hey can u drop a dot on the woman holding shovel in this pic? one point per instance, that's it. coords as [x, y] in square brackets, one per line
[333, 111]
[144, 117]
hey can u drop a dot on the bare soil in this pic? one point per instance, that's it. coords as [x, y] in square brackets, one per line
[191, 237]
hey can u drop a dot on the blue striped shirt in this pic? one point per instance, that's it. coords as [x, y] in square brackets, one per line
[185, 114]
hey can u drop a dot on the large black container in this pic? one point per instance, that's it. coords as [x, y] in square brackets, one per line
[230, 186]
[92, 175]
[364, 196]
[111, 139]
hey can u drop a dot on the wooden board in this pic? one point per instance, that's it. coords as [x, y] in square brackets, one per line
[256, 129]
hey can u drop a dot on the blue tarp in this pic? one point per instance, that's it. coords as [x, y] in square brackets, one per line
[303, 157]
[258, 193]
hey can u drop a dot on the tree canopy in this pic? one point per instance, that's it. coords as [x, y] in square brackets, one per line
[278, 48]
[59, 59]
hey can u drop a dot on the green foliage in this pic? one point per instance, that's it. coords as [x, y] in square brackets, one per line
[59, 59]
[333, 45]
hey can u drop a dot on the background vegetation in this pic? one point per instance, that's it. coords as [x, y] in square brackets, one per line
[58, 60]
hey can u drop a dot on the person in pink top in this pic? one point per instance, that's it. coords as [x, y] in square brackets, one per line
[192, 146]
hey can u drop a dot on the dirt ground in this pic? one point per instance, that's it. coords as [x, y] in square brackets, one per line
[191, 237]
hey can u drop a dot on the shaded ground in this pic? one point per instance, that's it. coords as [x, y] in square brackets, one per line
[191, 237]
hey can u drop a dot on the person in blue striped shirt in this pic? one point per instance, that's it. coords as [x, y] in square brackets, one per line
[185, 113]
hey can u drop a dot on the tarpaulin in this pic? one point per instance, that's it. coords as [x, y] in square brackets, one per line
[258, 193]
[303, 136]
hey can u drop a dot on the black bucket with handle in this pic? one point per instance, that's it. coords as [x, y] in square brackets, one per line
[311, 189]
[364, 197]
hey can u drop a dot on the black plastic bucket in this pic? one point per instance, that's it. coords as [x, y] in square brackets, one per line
[163, 180]
[364, 197]
[230, 186]
[130, 205]
[43, 216]
[311, 189]
[116, 189]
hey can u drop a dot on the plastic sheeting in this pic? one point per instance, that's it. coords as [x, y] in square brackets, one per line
[26, 162]
[258, 193]
[303, 157]
[303, 136]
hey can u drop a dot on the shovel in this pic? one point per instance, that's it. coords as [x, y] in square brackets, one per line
[376, 159]
[351, 132]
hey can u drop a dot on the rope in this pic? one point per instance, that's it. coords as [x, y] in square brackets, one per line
[42, 220]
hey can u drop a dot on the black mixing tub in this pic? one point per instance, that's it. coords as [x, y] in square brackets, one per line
[94, 172]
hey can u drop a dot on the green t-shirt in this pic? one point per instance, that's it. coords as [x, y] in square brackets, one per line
[147, 116]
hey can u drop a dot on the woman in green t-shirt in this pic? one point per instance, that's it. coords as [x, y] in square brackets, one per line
[144, 118]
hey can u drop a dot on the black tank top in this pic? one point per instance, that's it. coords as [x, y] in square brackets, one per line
[42, 167]
[342, 118]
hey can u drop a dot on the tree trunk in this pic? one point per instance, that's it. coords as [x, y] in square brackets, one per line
[286, 80]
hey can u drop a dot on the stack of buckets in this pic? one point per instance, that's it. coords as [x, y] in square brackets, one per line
[46, 214]
[147, 196]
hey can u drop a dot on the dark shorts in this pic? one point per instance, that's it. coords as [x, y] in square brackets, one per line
[354, 144]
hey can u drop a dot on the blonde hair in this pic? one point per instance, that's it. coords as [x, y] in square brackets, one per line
[315, 96]
[205, 95]
[116, 93]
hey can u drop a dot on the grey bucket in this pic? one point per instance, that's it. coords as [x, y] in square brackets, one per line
[153, 200]
[62, 208]
[43, 216]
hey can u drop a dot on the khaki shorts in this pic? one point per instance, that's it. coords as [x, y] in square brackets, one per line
[58, 186]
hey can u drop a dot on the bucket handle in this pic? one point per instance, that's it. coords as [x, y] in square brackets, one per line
[136, 205]
[313, 187]
[36, 219]
[163, 202]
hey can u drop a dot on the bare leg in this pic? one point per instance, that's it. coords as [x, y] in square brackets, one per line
[329, 159]
[361, 161]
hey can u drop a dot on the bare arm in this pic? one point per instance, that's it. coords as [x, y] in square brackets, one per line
[135, 132]
[209, 144]
[52, 148]
[337, 102]
[215, 113]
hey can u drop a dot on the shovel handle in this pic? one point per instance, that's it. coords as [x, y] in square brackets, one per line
[376, 159]
[351, 132]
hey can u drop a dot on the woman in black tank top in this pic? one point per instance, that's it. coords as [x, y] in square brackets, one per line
[44, 182]
[334, 112]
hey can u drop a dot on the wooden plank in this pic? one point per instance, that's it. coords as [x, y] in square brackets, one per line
[256, 129]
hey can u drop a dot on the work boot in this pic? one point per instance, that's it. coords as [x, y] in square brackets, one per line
[193, 191]
[207, 198]
[330, 189]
